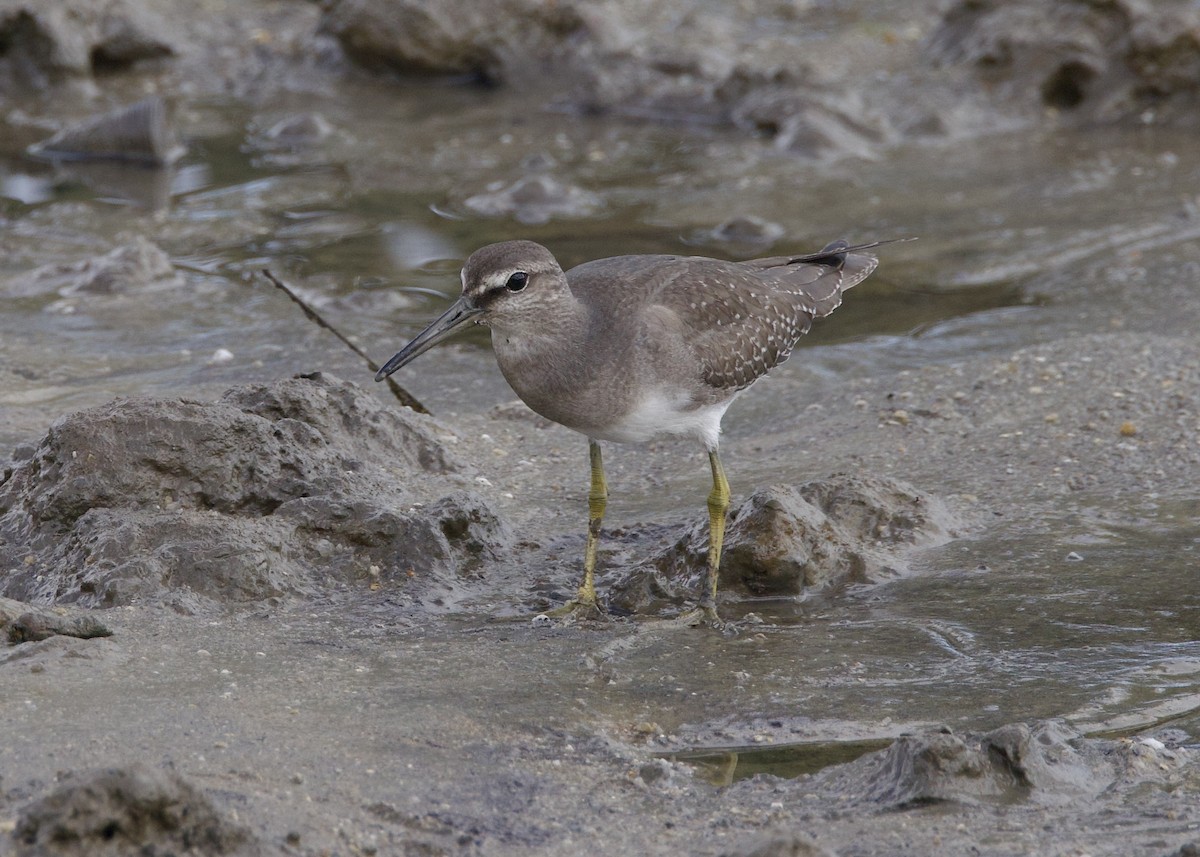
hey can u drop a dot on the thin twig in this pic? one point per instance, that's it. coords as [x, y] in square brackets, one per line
[405, 398]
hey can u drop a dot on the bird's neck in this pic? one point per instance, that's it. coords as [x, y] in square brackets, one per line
[554, 334]
[543, 353]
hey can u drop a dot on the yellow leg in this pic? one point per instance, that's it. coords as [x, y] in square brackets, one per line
[597, 500]
[718, 507]
[585, 603]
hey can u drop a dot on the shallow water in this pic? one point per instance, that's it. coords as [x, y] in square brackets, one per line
[991, 249]
[1020, 243]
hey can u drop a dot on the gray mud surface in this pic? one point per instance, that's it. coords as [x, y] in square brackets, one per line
[250, 605]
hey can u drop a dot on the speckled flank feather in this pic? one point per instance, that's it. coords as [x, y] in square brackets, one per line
[770, 315]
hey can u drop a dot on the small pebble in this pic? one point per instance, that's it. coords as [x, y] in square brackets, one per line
[221, 355]
[1074, 557]
[1128, 429]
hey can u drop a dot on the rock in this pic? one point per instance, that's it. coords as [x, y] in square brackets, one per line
[130, 810]
[1047, 762]
[776, 543]
[535, 199]
[24, 623]
[811, 120]
[1094, 60]
[128, 268]
[925, 769]
[741, 235]
[436, 543]
[881, 512]
[491, 40]
[348, 420]
[297, 130]
[141, 133]
[295, 141]
[32, 627]
[661, 62]
[41, 43]
[784, 541]
[277, 490]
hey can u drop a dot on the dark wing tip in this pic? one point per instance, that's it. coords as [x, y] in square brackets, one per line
[834, 253]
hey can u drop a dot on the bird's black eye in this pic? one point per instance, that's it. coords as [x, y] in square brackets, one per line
[517, 281]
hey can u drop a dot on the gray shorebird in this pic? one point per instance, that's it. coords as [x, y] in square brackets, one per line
[632, 347]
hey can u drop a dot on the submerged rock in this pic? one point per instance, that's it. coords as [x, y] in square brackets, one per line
[280, 489]
[300, 129]
[129, 810]
[141, 133]
[535, 199]
[296, 140]
[129, 268]
[740, 235]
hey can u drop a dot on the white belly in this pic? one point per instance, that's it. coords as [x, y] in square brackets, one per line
[658, 414]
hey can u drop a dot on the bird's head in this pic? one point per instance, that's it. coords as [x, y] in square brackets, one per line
[508, 286]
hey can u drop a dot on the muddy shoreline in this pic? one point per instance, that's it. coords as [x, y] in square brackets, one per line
[327, 724]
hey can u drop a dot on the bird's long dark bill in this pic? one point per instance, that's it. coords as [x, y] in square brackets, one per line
[459, 314]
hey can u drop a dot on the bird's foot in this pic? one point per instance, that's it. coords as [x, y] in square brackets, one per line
[705, 616]
[575, 610]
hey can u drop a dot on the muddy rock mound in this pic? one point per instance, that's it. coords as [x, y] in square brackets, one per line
[25, 623]
[1094, 60]
[1044, 762]
[133, 810]
[283, 489]
[785, 541]
[489, 40]
[1008, 764]
[673, 62]
[42, 43]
